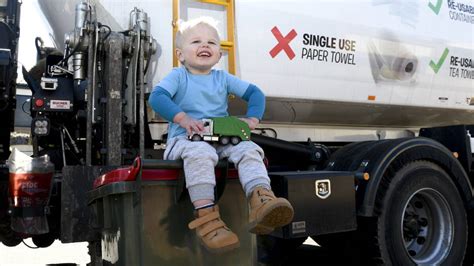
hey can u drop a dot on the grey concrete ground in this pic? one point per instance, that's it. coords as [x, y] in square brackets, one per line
[77, 253]
[56, 253]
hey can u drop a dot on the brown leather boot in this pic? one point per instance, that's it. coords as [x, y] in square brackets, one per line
[212, 231]
[268, 212]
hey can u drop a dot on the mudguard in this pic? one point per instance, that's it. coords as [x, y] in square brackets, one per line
[377, 157]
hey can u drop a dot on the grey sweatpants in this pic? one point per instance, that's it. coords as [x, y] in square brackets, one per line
[200, 158]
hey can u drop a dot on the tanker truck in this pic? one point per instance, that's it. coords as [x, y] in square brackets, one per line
[367, 129]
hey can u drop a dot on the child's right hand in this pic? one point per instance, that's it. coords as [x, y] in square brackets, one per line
[251, 121]
[190, 124]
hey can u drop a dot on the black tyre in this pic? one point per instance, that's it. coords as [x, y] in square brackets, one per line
[224, 140]
[422, 219]
[196, 137]
[43, 241]
[235, 140]
[11, 242]
[7, 236]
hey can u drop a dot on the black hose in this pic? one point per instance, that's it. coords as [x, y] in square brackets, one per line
[282, 144]
[23, 106]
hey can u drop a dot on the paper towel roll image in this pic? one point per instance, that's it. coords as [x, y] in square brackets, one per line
[390, 60]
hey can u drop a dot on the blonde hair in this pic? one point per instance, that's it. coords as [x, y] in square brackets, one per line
[184, 26]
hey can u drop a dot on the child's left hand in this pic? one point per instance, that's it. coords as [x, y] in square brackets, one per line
[251, 121]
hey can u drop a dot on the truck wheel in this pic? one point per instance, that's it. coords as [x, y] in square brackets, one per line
[422, 218]
[11, 242]
[235, 140]
[7, 236]
[224, 140]
[43, 241]
[196, 137]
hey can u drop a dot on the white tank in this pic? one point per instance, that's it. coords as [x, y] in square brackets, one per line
[371, 63]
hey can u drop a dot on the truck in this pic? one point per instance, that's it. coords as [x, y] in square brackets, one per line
[367, 129]
[224, 130]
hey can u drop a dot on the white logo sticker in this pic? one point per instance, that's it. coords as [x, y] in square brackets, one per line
[298, 227]
[323, 188]
[60, 104]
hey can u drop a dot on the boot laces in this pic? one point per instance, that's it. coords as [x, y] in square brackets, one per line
[264, 195]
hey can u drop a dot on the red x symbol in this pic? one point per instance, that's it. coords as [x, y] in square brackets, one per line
[283, 43]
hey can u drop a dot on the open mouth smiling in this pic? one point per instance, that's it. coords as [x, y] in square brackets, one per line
[204, 54]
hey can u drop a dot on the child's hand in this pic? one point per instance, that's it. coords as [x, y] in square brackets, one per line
[251, 121]
[191, 125]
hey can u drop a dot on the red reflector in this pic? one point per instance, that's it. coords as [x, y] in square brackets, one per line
[130, 174]
[39, 102]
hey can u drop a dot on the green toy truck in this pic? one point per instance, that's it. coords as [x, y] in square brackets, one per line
[224, 130]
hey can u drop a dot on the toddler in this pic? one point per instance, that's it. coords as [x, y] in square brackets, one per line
[195, 91]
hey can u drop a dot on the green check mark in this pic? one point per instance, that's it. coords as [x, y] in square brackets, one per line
[436, 8]
[437, 66]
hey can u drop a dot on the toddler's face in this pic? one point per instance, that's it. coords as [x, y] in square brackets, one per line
[200, 49]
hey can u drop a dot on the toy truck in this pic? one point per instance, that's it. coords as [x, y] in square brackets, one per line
[224, 130]
[369, 104]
